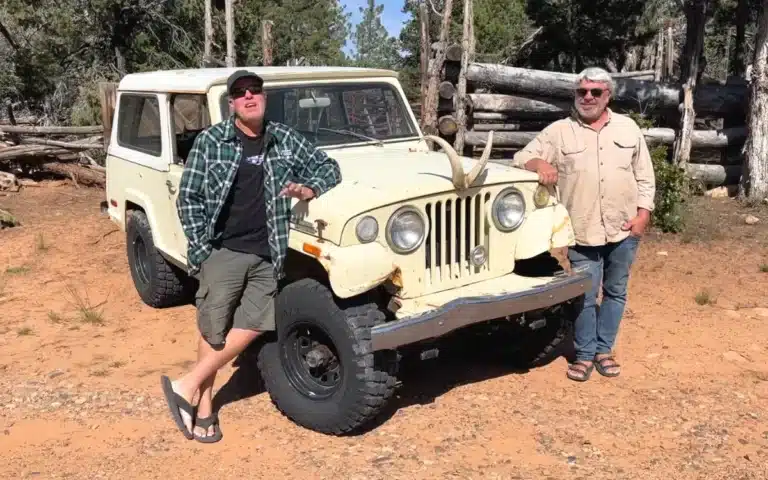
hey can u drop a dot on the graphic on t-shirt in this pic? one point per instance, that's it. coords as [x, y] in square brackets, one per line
[255, 159]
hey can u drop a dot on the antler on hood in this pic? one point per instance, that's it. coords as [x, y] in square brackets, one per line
[462, 180]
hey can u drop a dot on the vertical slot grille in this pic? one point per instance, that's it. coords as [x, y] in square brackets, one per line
[456, 226]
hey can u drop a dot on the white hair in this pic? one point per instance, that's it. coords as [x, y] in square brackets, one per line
[596, 74]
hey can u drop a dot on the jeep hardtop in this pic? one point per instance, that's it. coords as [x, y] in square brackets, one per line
[414, 244]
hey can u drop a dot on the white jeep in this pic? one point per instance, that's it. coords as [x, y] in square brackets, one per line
[412, 245]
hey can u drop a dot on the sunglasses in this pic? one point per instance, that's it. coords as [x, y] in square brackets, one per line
[596, 92]
[240, 91]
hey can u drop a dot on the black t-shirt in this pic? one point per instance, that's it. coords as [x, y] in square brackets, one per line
[243, 218]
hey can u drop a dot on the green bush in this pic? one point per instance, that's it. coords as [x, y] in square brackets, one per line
[672, 187]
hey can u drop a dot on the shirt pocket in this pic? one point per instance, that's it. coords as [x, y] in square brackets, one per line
[573, 159]
[217, 175]
[623, 152]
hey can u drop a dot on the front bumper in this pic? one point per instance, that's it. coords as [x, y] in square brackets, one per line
[469, 310]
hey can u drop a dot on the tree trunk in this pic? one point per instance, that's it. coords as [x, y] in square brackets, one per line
[230, 32]
[424, 59]
[699, 138]
[53, 130]
[754, 184]
[208, 35]
[658, 67]
[738, 65]
[430, 102]
[696, 16]
[654, 136]
[522, 107]
[713, 175]
[266, 42]
[461, 99]
[719, 99]
[522, 126]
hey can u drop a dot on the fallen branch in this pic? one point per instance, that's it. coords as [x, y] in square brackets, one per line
[80, 175]
[20, 152]
[87, 144]
[31, 130]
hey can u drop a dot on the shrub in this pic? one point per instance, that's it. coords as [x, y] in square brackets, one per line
[672, 187]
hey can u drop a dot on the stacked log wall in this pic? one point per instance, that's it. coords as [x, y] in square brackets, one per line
[517, 103]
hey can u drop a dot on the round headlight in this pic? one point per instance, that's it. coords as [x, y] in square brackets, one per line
[367, 229]
[406, 230]
[508, 210]
[541, 196]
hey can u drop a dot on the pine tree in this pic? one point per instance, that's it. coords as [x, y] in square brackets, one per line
[375, 47]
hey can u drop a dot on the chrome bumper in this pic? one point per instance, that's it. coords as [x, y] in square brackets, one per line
[466, 311]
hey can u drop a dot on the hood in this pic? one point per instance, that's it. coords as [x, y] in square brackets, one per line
[373, 177]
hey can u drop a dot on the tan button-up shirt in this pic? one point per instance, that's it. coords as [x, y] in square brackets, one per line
[603, 177]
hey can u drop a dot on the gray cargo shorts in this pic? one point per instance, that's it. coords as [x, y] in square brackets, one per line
[237, 290]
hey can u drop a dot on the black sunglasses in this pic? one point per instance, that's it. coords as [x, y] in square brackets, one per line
[596, 92]
[240, 91]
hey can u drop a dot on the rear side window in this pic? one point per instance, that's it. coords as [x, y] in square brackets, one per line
[138, 126]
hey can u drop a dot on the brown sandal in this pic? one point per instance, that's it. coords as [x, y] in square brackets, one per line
[579, 371]
[602, 368]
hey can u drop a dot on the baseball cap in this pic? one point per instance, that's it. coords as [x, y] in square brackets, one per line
[237, 75]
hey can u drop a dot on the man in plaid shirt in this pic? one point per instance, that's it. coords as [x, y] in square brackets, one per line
[234, 205]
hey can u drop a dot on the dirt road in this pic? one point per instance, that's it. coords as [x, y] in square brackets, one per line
[81, 359]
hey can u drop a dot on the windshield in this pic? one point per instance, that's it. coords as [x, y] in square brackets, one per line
[339, 114]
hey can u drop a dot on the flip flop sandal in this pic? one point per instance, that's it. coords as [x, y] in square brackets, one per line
[580, 376]
[176, 402]
[602, 369]
[206, 423]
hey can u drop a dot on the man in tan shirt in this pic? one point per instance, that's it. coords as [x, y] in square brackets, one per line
[601, 165]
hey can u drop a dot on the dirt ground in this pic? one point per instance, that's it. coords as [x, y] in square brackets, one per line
[82, 355]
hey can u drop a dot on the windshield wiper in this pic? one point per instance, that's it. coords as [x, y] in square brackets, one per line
[354, 134]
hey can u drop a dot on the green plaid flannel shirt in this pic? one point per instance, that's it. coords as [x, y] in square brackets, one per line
[210, 170]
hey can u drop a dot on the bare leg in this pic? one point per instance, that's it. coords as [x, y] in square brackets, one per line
[205, 406]
[203, 374]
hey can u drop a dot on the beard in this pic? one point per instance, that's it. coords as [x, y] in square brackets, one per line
[590, 113]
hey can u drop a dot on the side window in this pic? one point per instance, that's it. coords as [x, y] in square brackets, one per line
[189, 113]
[139, 124]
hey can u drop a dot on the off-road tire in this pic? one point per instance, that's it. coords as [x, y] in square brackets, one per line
[536, 346]
[159, 283]
[367, 380]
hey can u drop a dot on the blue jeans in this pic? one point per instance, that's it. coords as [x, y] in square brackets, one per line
[596, 326]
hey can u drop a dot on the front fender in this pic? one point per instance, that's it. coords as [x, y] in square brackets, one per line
[545, 229]
[352, 270]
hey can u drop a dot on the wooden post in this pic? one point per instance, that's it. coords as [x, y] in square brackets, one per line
[659, 55]
[670, 53]
[208, 34]
[461, 94]
[754, 180]
[108, 100]
[230, 33]
[266, 41]
[696, 15]
[425, 53]
[431, 100]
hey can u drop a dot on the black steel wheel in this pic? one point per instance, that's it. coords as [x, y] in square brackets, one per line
[311, 362]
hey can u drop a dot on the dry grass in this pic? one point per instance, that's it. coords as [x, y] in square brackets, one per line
[704, 297]
[88, 313]
[40, 243]
[17, 270]
[24, 331]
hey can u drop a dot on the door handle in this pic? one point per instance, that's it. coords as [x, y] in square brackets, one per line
[169, 184]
